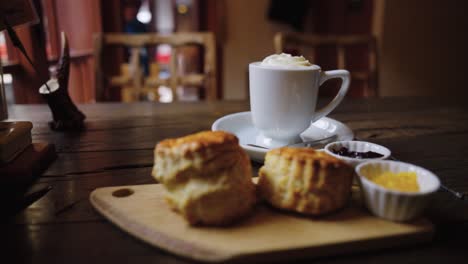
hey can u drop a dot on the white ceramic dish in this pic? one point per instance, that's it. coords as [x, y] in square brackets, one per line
[241, 125]
[358, 146]
[395, 205]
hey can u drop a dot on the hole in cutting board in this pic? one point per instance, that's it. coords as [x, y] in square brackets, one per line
[125, 192]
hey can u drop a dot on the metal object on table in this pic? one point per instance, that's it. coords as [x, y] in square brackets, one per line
[67, 117]
[458, 195]
[305, 144]
[64, 112]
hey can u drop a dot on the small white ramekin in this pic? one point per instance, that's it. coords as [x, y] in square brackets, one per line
[395, 205]
[359, 146]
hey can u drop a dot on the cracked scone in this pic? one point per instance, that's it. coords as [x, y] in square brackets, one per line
[305, 181]
[207, 176]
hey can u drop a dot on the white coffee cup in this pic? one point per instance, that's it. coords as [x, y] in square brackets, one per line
[283, 100]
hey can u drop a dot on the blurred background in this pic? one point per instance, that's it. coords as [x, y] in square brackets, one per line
[393, 47]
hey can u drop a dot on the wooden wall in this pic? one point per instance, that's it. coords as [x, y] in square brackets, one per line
[423, 43]
[80, 20]
[248, 38]
[424, 48]
[249, 35]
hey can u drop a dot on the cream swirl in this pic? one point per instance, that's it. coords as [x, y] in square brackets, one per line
[285, 60]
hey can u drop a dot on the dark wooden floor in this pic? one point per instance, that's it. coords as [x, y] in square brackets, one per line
[117, 149]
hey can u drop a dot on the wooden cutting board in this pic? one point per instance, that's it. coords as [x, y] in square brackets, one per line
[268, 234]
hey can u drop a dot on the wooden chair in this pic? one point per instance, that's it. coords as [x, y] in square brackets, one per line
[132, 81]
[369, 77]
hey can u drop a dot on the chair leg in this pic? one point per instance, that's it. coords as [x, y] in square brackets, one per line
[128, 95]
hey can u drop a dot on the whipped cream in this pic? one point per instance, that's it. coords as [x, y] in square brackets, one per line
[285, 60]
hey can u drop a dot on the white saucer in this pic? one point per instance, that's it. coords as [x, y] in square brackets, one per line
[240, 124]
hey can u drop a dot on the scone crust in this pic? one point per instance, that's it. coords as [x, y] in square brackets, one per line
[198, 141]
[305, 181]
[207, 177]
[200, 155]
[305, 154]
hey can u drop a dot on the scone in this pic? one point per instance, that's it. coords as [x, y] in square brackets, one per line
[305, 181]
[207, 176]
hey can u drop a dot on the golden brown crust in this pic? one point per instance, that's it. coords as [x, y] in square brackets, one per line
[199, 141]
[207, 177]
[305, 181]
[305, 154]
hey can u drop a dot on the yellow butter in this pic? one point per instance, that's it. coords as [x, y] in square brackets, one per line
[401, 181]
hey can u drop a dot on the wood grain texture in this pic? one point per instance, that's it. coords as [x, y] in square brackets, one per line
[30, 163]
[267, 234]
[117, 149]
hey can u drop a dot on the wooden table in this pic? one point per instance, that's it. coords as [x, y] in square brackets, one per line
[117, 149]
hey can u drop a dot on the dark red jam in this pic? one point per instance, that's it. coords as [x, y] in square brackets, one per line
[343, 151]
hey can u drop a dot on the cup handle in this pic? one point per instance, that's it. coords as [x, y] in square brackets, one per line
[324, 76]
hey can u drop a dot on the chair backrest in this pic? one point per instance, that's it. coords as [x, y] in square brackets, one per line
[283, 40]
[133, 76]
